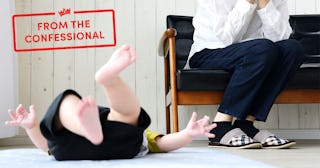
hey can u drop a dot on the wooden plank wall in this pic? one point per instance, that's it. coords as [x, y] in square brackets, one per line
[140, 23]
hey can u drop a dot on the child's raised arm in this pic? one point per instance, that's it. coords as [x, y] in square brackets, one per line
[28, 121]
[195, 128]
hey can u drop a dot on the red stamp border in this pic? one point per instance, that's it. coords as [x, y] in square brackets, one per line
[66, 47]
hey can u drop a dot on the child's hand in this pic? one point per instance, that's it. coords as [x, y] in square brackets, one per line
[22, 118]
[200, 127]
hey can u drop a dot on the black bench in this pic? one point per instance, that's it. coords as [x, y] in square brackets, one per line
[205, 87]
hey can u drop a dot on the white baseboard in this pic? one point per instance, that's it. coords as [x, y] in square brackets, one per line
[298, 134]
[16, 141]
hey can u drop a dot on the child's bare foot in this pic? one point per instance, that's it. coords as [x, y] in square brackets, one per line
[88, 116]
[119, 60]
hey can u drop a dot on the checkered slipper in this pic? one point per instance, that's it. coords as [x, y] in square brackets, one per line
[269, 140]
[235, 138]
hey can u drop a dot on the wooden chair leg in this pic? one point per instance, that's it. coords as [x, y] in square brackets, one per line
[168, 126]
[173, 80]
[175, 116]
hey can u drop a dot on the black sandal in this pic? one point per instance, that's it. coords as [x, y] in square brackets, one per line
[237, 139]
[269, 140]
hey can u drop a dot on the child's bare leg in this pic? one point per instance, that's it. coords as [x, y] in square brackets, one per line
[122, 101]
[81, 117]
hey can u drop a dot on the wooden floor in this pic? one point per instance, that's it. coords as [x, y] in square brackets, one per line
[306, 154]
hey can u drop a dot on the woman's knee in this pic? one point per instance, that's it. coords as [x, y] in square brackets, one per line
[291, 44]
[267, 46]
[265, 51]
[293, 48]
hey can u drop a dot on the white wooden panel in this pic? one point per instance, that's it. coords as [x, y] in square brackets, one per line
[8, 69]
[102, 54]
[63, 65]
[292, 6]
[288, 116]
[24, 58]
[305, 7]
[125, 22]
[309, 116]
[146, 56]
[185, 7]
[42, 64]
[84, 59]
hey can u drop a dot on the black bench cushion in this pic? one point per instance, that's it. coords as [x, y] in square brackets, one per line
[306, 29]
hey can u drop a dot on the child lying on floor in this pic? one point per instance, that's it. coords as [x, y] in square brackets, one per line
[75, 128]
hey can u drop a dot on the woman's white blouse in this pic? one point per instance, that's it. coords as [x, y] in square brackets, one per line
[220, 23]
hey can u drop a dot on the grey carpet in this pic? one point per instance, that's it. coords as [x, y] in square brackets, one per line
[187, 157]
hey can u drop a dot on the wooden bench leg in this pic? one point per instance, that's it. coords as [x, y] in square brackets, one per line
[175, 116]
[168, 126]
